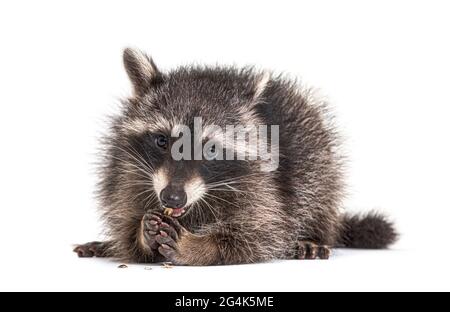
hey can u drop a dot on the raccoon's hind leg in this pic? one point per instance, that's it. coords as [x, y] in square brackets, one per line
[311, 251]
[93, 249]
[220, 243]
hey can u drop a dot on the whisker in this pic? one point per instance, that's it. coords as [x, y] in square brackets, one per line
[219, 198]
[238, 178]
[152, 198]
[141, 193]
[141, 182]
[133, 156]
[210, 208]
[140, 169]
[139, 156]
[133, 172]
[131, 152]
[228, 190]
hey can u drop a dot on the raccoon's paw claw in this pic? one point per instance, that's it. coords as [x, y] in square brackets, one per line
[150, 227]
[172, 226]
[89, 250]
[168, 252]
[167, 240]
[311, 251]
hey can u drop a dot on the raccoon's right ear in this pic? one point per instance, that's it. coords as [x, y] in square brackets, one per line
[141, 69]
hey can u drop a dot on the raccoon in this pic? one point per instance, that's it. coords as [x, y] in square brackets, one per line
[213, 211]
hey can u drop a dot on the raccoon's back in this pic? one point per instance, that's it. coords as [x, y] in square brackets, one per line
[310, 171]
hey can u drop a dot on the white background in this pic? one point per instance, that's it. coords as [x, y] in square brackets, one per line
[384, 65]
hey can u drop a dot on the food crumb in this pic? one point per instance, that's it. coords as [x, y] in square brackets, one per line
[167, 265]
[123, 266]
[168, 211]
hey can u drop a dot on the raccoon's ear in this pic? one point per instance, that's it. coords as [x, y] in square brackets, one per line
[255, 92]
[141, 69]
[260, 85]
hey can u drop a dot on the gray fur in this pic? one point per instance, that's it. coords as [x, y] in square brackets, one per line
[271, 213]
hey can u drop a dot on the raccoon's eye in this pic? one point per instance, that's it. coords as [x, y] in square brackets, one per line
[212, 152]
[162, 141]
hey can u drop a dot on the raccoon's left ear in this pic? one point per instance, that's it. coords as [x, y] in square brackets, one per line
[141, 69]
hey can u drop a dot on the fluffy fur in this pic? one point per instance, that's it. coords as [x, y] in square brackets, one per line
[371, 231]
[258, 217]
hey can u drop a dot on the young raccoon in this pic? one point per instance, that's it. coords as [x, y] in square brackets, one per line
[210, 211]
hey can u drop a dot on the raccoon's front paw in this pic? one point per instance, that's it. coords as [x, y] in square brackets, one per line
[150, 225]
[158, 229]
[170, 232]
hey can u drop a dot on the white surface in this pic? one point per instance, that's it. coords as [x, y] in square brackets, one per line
[384, 65]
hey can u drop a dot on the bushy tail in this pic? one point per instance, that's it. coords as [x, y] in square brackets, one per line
[370, 231]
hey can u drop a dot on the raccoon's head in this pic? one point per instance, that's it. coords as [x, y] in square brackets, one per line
[151, 135]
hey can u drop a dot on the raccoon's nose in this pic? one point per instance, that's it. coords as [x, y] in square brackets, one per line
[173, 197]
